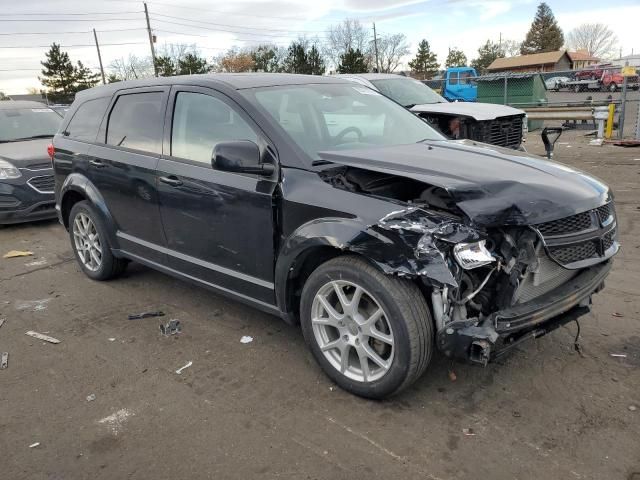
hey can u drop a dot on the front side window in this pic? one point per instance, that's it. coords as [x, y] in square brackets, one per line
[86, 121]
[324, 117]
[200, 121]
[26, 123]
[453, 78]
[136, 122]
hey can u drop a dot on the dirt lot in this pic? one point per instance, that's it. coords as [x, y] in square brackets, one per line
[264, 409]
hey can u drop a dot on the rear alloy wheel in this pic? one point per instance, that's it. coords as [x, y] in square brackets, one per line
[370, 332]
[90, 245]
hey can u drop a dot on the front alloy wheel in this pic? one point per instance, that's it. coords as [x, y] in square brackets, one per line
[87, 242]
[352, 331]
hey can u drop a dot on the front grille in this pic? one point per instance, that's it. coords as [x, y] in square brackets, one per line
[594, 232]
[576, 223]
[503, 131]
[42, 184]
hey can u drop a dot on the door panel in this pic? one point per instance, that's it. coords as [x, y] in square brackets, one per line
[218, 225]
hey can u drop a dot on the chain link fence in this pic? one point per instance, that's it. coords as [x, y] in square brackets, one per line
[558, 97]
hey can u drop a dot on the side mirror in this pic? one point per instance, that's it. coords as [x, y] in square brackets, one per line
[240, 156]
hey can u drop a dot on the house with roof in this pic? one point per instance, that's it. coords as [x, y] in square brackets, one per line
[535, 62]
[581, 59]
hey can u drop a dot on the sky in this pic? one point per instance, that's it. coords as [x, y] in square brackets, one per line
[28, 27]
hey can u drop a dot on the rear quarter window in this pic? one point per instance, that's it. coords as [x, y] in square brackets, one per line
[136, 122]
[85, 122]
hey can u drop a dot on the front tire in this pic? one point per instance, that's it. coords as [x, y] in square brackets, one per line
[371, 333]
[88, 236]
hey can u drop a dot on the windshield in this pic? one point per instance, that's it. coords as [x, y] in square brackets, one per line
[407, 91]
[324, 117]
[22, 123]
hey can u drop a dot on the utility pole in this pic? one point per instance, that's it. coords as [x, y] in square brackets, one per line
[153, 50]
[95, 36]
[375, 47]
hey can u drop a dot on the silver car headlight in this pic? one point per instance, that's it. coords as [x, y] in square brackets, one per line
[8, 171]
[472, 255]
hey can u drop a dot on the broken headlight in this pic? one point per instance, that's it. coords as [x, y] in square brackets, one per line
[472, 255]
[7, 170]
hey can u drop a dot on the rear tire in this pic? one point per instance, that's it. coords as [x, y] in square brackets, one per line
[374, 346]
[90, 244]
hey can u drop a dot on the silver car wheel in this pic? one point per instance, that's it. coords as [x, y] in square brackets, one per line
[87, 242]
[352, 331]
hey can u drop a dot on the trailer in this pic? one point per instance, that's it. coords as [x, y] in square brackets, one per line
[609, 81]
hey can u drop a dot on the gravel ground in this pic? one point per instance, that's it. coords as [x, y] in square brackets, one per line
[264, 409]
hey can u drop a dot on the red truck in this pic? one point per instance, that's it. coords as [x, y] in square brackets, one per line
[601, 77]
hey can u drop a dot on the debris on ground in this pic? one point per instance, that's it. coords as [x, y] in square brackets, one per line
[36, 263]
[246, 339]
[91, 398]
[517, 414]
[36, 305]
[41, 336]
[633, 408]
[2, 320]
[137, 316]
[179, 371]
[112, 339]
[116, 420]
[34, 445]
[4, 360]
[618, 315]
[452, 376]
[468, 431]
[171, 327]
[618, 355]
[17, 253]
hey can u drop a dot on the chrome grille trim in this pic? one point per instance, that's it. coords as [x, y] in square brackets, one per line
[42, 184]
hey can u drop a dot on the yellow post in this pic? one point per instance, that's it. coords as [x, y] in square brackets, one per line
[609, 130]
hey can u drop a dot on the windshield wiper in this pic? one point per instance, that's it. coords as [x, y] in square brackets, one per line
[32, 137]
[319, 163]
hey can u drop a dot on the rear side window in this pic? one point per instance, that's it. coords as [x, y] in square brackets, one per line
[86, 121]
[136, 122]
[200, 121]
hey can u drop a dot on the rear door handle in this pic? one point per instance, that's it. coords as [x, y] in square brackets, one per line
[97, 163]
[171, 180]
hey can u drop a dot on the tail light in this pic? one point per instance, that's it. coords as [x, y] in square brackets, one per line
[51, 152]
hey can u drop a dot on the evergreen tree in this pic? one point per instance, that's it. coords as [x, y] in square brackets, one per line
[456, 58]
[265, 59]
[353, 61]
[112, 78]
[58, 75]
[315, 61]
[426, 61]
[487, 53]
[192, 64]
[544, 35]
[85, 78]
[297, 60]
[165, 66]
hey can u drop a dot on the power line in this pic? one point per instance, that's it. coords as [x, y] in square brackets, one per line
[67, 33]
[68, 20]
[84, 45]
[64, 14]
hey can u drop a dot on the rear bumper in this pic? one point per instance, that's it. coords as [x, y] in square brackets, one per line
[482, 342]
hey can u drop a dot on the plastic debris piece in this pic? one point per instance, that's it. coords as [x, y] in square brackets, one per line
[171, 327]
[632, 408]
[618, 355]
[4, 360]
[246, 339]
[41, 336]
[179, 371]
[137, 316]
[452, 376]
[91, 398]
[17, 253]
[616, 314]
[468, 431]
[112, 339]
[34, 445]
[36, 263]
[2, 320]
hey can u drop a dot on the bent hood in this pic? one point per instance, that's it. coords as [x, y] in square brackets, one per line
[26, 153]
[492, 185]
[477, 111]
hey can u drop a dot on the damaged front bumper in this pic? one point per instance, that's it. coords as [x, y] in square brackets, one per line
[481, 342]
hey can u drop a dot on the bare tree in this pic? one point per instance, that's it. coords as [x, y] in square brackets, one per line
[510, 48]
[345, 36]
[177, 51]
[131, 68]
[595, 38]
[391, 49]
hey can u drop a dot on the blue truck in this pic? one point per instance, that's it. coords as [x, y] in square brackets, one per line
[457, 84]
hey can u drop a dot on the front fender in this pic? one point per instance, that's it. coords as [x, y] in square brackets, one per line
[78, 183]
[394, 245]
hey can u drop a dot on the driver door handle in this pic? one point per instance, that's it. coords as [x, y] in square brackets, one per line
[97, 163]
[171, 180]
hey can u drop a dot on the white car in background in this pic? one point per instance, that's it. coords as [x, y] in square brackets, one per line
[556, 83]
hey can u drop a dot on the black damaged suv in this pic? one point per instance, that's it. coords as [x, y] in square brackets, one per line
[327, 204]
[26, 173]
